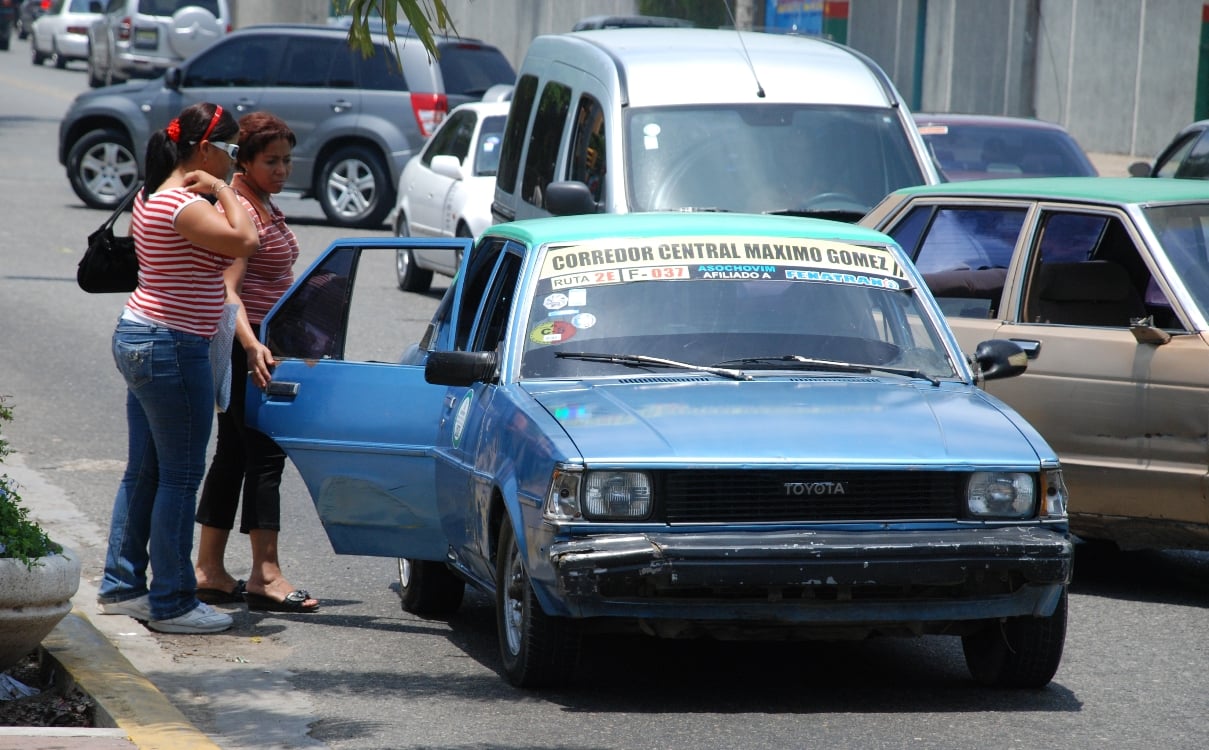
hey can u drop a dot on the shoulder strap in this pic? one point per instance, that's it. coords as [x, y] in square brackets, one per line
[126, 201]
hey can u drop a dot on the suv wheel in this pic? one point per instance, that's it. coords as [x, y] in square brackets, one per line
[94, 79]
[102, 168]
[354, 188]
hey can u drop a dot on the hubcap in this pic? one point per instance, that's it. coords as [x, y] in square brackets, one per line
[404, 572]
[514, 586]
[108, 170]
[350, 188]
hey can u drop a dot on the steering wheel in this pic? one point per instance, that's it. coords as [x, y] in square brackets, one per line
[834, 200]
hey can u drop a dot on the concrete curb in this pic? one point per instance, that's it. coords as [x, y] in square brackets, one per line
[124, 698]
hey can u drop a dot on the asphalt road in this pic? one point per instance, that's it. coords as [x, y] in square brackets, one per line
[363, 674]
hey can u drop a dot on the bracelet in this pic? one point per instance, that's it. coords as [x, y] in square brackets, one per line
[218, 185]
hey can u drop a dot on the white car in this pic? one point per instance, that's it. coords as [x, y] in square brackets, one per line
[446, 189]
[61, 33]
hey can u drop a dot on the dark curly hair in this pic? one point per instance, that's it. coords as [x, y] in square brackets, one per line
[169, 146]
[256, 131]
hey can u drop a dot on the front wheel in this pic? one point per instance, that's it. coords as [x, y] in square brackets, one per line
[429, 588]
[410, 277]
[1017, 652]
[102, 168]
[538, 650]
[354, 188]
[36, 57]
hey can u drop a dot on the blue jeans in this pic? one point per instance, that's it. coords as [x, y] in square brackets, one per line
[169, 413]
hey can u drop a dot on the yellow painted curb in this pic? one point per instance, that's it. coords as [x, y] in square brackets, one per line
[124, 697]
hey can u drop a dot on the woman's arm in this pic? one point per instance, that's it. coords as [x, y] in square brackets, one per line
[231, 232]
[260, 359]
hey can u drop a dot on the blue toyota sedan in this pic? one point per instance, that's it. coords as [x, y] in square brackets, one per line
[687, 424]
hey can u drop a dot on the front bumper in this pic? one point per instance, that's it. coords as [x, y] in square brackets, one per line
[815, 577]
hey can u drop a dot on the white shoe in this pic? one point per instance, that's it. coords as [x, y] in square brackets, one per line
[139, 607]
[201, 619]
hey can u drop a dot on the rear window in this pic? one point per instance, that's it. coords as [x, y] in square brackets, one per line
[470, 69]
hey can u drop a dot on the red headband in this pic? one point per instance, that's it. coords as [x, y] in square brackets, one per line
[213, 122]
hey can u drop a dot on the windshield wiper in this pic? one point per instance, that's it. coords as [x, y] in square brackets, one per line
[636, 360]
[833, 365]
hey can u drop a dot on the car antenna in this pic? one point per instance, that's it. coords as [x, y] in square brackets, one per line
[752, 68]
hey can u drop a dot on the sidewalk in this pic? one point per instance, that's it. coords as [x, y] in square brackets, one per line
[136, 715]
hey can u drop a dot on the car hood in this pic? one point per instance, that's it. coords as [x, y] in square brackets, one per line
[827, 420]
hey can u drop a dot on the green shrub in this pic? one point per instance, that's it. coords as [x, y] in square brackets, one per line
[19, 537]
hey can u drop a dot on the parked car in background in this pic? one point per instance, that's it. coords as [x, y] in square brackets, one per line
[680, 424]
[61, 34]
[446, 189]
[8, 20]
[1105, 283]
[143, 38]
[981, 147]
[630, 22]
[27, 13]
[659, 119]
[1186, 157]
[357, 119]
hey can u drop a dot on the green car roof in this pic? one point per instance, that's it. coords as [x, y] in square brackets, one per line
[536, 232]
[1098, 189]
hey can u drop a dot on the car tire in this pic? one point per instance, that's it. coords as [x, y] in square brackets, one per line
[102, 168]
[409, 277]
[1017, 652]
[354, 188]
[36, 57]
[429, 588]
[95, 81]
[537, 650]
[60, 61]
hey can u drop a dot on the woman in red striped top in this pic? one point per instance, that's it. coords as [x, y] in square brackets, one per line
[162, 348]
[246, 459]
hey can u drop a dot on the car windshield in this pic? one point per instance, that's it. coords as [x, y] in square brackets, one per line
[792, 158]
[717, 306]
[1183, 231]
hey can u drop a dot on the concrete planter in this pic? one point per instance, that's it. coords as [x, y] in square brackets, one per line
[33, 601]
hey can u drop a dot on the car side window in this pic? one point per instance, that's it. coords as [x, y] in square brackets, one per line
[1195, 166]
[453, 139]
[306, 62]
[493, 320]
[380, 71]
[1085, 271]
[311, 322]
[236, 63]
[514, 133]
[1175, 158]
[547, 133]
[482, 263]
[587, 156]
[964, 255]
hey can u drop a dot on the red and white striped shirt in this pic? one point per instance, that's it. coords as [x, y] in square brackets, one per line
[180, 284]
[271, 270]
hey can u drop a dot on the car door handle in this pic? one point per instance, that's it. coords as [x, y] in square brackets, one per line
[245, 105]
[341, 105]
[282, 388]
[1031, 348]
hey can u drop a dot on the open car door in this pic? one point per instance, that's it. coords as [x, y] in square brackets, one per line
[359, 426]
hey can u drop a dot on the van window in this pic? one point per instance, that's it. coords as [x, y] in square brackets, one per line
[543, 142]
[514, 136]
[243, 62]
[587, 158]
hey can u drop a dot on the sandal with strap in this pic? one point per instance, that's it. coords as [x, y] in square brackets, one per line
[293, 602]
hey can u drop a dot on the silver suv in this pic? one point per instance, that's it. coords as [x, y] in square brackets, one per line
[143, 38]
[358, 120]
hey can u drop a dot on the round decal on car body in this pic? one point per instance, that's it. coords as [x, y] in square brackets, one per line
[459, 419]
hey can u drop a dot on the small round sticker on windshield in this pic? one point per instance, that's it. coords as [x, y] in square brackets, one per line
[584, 320]
[552, 332]
[556, 301]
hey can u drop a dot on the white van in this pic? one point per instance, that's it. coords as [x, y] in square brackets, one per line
[649, 119]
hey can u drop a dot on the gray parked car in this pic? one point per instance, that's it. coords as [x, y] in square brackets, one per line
[143, 38]
[357, 119]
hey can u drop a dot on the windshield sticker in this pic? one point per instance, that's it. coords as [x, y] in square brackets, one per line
[556, 301]
[552, 332]
[583, 320]
[573, 267]
[650, 137]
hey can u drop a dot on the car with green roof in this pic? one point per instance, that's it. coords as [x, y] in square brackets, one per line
[1104, 282]
[680, 424]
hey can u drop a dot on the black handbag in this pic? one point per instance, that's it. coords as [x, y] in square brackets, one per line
[110, 264]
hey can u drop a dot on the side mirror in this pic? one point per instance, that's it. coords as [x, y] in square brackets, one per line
[1000, 358]
[1139, 169]
[460, 368]
[172, 79]
[570, 199]
[447, 166]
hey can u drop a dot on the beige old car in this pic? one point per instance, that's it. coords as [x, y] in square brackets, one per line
[1105, 283]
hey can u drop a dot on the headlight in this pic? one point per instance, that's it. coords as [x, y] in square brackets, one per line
[1056, 495]
[598, 495]
[1001, 494]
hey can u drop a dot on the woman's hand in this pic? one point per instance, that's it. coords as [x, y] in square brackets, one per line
[260, 365]
[203, 183]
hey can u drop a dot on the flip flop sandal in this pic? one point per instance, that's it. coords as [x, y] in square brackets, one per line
[293, 602]
[218, 596]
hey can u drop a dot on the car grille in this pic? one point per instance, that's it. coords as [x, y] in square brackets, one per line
[769, 496]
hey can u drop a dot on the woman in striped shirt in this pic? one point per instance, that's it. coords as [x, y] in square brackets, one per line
[162, 348]
[246, 459]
